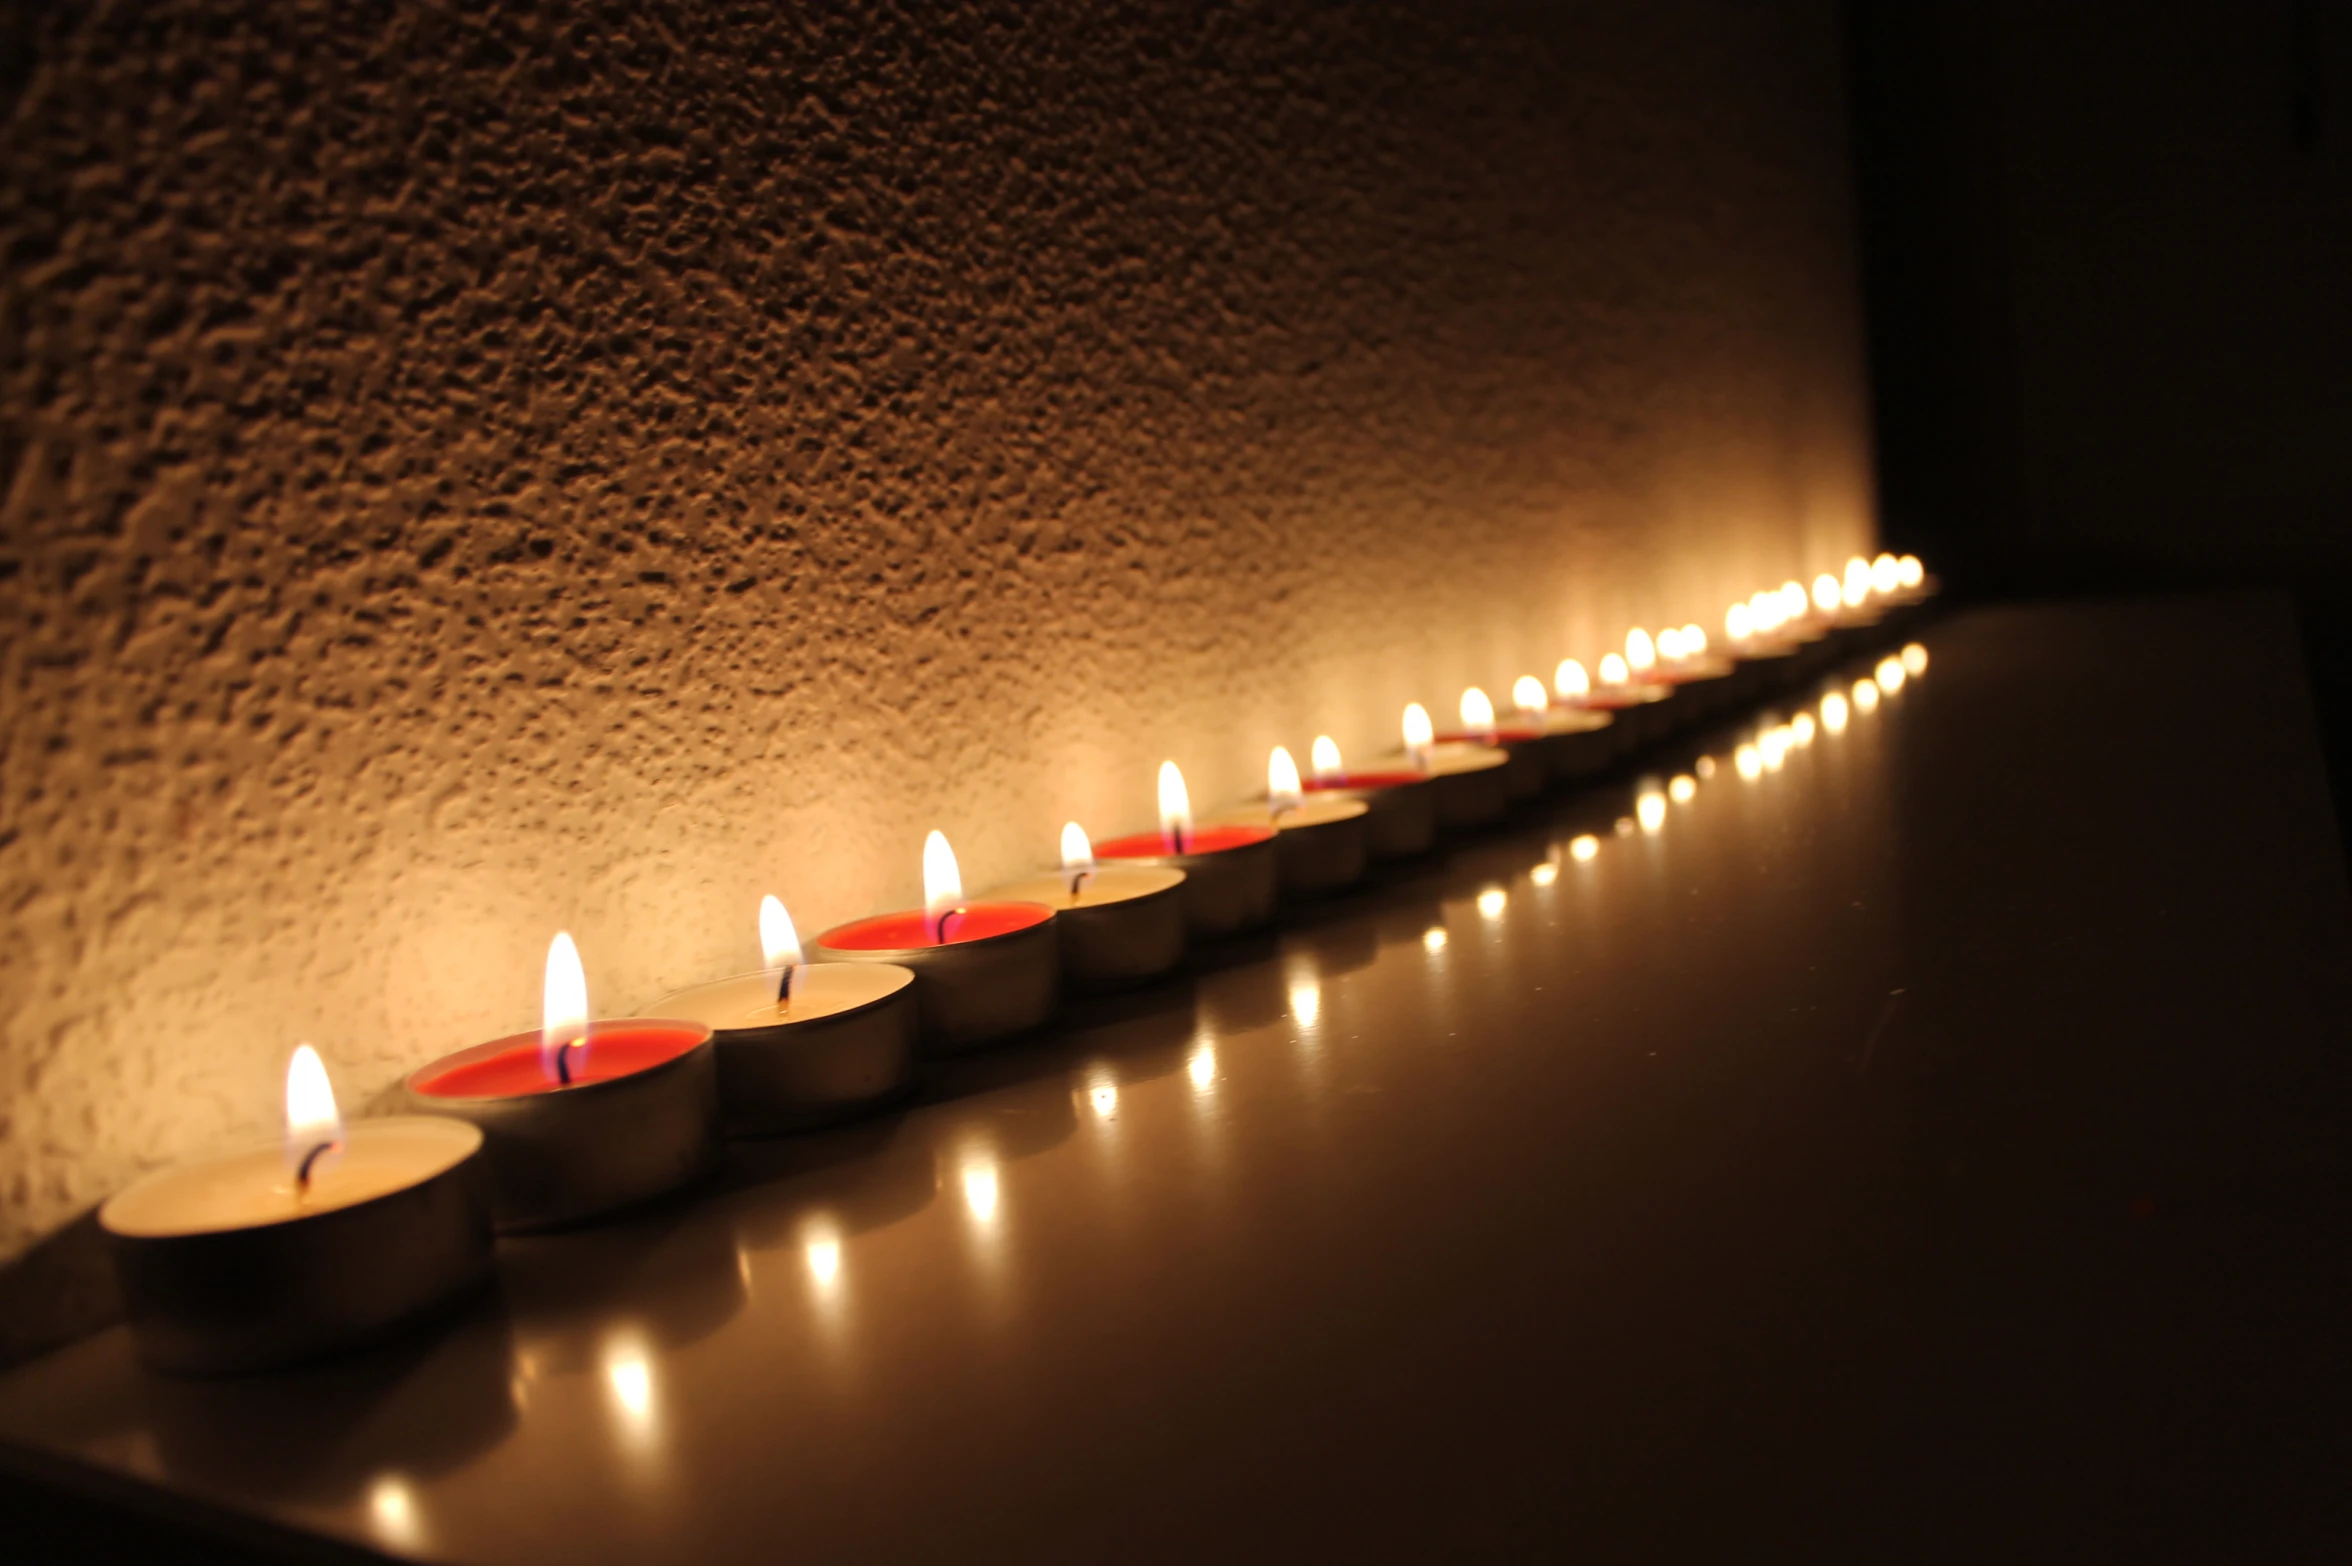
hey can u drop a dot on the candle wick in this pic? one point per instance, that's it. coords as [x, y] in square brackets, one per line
[563, 1060]
[302, 1170]
[1078, 879]
[939, 930]
[784, 987]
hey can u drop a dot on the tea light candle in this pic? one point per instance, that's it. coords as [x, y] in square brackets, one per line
[1617, 693]
[1230, 872]
[984, 971]
[334, 1238]
[1466, 780]
[1400, 817]
[1321, 841]
[1119, 924]
[1525, 773]
[803, 1044]
[582, 1119]
[1701, 679]
[1577, 742]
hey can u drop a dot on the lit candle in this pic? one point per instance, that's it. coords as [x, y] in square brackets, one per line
[984, 971]
[1400, 808]
[330, 1238]
[1628, 697]
[1575, 741]
[1118, 924]
[1527, 772]
[1700, 680]
[1231, 870]
[804, 1044]
[1321, 840]
[581, 1118]
[1466, 779]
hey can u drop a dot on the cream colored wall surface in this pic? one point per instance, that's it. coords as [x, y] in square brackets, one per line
[472, 471]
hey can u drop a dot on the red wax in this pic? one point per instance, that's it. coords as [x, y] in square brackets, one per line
[1504, 734]
[1615, 699]
[897, 932]
[515, 1068]
[1366, 780]
[1200, 840]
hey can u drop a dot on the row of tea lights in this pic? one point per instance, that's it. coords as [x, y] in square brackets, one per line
[343, 1233]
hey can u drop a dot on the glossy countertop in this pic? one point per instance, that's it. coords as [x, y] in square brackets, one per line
[1932, 1148]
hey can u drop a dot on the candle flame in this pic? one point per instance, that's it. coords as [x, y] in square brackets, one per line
[1478, 715]
[943, 883]
[563, 1008]
[1324, 757]
[779, 942]
[1739, 622]
[1570, 682]
[1909, 572]
[1694, 642]
[1886, 574]
[1640, 651]
[1826, 596]
[1857, 584]
[1613, 670]
[1175, 810]
[1670, 644]
[1077, 858]
[1792, 600]
[780, 947]
[1527, 694]
[1419, 732]
[314, 1127]
[1282, 781]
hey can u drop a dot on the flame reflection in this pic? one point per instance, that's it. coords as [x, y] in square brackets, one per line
[1914, 660]
[392, 1509]
[1583, 847]
[980, 1191]
[1866, 696]
[1491, 903]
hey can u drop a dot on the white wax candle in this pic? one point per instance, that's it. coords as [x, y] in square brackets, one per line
[819, 989]
[1101, 885]
[249, 1189]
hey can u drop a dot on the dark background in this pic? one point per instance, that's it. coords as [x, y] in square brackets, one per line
[2108, 250]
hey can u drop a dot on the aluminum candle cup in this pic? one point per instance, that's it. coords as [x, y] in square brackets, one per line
[845, 1043]
[1230, 875]
[1578, 742]
[1703, 685]
[1637, 724]
[224, 1269]
[1400, 817]
[1125, 924]
[998, 973]
[1321, 843]
[1466, 782]
[1525, 774]
[639, 1119]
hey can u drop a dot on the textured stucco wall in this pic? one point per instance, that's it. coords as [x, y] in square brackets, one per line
[471, 470]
